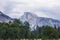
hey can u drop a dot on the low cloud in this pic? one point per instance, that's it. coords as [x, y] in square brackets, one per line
[43, 8]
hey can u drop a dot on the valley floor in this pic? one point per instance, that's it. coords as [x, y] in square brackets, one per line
[26, 39]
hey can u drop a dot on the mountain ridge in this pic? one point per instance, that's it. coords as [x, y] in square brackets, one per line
[4, 18]
[34, 20]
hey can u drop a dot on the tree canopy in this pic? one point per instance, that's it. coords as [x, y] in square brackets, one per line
[49, 33]
[19, 30]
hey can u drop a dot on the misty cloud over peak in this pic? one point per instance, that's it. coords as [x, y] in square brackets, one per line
[44, 8]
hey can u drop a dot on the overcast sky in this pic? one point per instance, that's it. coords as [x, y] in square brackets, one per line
[43, 8]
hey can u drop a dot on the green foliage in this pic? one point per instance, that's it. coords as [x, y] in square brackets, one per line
[3, 30]
[25, 30]
[49, 33]
[20, 30]
[59, 31]
[14, 30]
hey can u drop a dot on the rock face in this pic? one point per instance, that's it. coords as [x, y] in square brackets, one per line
[31, 18]
[34, 20]
[4, 18]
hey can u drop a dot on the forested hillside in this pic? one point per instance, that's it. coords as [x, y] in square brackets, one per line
[21, 30]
